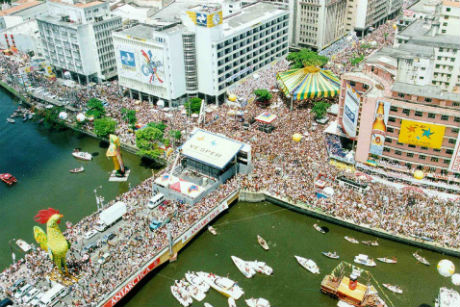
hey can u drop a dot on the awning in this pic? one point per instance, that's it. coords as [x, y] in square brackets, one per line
[266, 118]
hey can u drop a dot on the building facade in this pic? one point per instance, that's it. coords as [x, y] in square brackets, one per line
[77, 38]
[203, 52]
[413, 92]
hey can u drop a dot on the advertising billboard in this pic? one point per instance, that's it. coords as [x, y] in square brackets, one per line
[350, 111]
[152, 67]
[455, 161]
[379, 127]
[421, 134]
[206, 19]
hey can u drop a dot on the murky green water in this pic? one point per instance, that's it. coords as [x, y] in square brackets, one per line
[41, 159]
[288, 234]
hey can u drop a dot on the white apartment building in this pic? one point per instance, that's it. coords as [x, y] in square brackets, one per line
[363, 15]
[191, 48]
[317, 23]
[77, 38]
[450, 17]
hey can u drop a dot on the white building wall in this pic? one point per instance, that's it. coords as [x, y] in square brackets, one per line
[450, 18]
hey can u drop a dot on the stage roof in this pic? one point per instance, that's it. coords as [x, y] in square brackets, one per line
[210, 148]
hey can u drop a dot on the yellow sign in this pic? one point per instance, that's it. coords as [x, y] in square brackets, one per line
[204, 19]
[421, 134]
[215, 19]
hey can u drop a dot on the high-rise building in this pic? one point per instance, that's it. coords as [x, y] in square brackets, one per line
[416, 86]
[363, 15]
[77, 39]
[190, 48]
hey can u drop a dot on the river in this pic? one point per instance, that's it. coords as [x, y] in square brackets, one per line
[41, 159]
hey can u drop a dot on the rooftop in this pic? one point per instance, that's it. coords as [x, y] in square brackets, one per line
[78, 4]
[24, 5]
[429, 91]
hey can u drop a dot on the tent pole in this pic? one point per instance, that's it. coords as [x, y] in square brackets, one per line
[292, 102]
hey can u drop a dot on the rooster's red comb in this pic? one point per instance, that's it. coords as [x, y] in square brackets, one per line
[44, 215]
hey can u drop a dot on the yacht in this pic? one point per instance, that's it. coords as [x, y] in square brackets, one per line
[308, 264]
[257, 302]
[245, 268]
[223, 285]
[364, 260]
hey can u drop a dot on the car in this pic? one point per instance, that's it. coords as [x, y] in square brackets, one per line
[89, 248]
[21, 292]
[107, 237]
[90, 234]
[104, 258]
[30, 296]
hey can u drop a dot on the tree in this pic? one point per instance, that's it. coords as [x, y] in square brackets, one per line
[159, 125]
[306, 57]
[129, 116]
[193, 105]
[385, 35]
[320, 109]
[147, 141]
[104, 126]
[356, 60]
[176, 135]
[263, 95]
[95, 108]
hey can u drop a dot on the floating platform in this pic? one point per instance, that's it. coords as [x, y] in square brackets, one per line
[114, 178]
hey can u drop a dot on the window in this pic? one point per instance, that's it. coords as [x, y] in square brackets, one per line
[386, 149]
[457, 119]
[397, 152]
[410, 155]
[431, 115]
[424, 148]
[412, 146]
[421, 157]
[434, 159]
[394, 109]
[427, 99]
[455, 130]
[419, 113]
[392, 119]
[401, 95]
[444, 117]
[449, 151]
[406, 111]
[389, 129]
[388, 140]
[352, 83]
[451, 141]
[437, 150]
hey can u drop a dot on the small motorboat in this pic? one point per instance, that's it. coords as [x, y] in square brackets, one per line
[244, 267]
[196, 280]
[77, 170]
[262, 243]
[364, 260]
[212, 230]
[23, 245]
[331, 255]
[388, 260]
[181, 295]
[318, 228]
[223, 285]
[308, 264]
[261, 267]
[193, 290]
[82, 155]
[10, 120]
[257, 302]
[420, 259]
[370, 243]
[393, 288]
[8, 178]
[351, 240]
[231, 302]
[206, 304]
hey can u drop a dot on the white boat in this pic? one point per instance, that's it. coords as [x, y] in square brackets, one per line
[308, 264]
[23, 245]
[257, 302]
[332, 255]
[82, 155]
[262, 243]
[318, 228]
[393, 288]
[341, 303]
[351, 240]
[420, 259]
[196, 280]
[77, 170]
[206, 304]
[388, 260]
[181, 295]
[223, 285]
[370, 243]
[245, 268]
[10, 120]
[261, 267]
[364, 260]
[231, 302]
[194, 291]
[212, 230]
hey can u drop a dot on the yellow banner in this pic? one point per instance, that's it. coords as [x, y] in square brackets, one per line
[421, 134]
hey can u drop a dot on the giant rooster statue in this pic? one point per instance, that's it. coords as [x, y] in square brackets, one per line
[53, 241]
[121, 172]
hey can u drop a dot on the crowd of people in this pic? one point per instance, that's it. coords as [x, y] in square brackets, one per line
[282, 167]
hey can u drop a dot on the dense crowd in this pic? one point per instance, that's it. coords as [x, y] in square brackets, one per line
[282, 167]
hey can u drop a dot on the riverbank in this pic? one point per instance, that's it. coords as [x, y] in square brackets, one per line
[249, 196]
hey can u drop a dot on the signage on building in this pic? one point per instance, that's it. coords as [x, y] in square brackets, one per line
[455, 160]
[351, 111]
[421, 134]
[204, 19]
[130, 284]
[379, 127]
[152, 66]
[127, 60]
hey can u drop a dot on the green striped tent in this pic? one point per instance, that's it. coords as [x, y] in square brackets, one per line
[308, 82]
